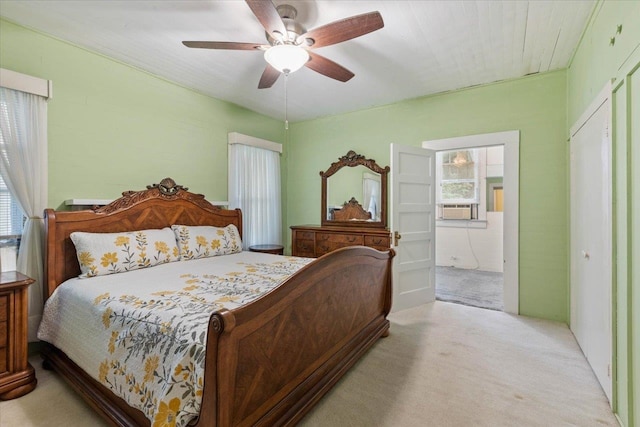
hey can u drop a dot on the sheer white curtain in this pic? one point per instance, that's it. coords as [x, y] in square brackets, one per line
[254, 187]
[371, 194]
[23, 164]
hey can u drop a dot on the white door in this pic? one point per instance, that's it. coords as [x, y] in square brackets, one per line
[413, 225]
[590, 243]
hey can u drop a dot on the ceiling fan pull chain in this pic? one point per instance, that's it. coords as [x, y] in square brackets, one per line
[286, 106]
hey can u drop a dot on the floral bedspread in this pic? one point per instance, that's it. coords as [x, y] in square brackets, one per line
[143, 333]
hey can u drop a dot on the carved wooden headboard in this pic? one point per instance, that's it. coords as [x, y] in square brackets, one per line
[352, 210]
[160, 205]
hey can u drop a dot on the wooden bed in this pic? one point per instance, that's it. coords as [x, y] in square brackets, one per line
[268, 362]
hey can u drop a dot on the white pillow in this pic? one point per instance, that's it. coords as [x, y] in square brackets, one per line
[107, 253]
[201, 241]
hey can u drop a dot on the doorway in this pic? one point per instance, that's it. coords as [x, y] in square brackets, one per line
[473, 218]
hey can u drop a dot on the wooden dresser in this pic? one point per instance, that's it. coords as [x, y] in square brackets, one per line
[17, 376]
[347, 224]
[313, 241]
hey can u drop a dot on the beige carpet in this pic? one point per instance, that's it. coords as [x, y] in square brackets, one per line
[443, 365]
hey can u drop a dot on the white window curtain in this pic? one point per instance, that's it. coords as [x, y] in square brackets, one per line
[371, 194]
[254, 187]
[23, 165]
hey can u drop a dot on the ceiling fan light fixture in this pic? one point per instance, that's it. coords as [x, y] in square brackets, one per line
[286, 58]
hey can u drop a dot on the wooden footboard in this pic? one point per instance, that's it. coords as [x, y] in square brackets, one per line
[278, 355]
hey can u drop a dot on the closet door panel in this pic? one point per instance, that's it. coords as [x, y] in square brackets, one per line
[590, 250]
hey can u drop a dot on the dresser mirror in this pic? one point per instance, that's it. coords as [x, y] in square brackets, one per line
[354, 192]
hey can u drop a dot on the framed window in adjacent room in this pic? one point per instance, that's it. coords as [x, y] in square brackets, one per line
[458, 183]
[457, 175]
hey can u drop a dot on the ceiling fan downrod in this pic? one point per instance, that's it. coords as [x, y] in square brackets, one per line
[293, 29]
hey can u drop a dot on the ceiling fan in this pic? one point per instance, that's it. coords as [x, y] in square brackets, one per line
[290, 46]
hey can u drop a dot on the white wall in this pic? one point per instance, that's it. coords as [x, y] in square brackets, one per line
[458, 241]
[495, 161]
[457, 248]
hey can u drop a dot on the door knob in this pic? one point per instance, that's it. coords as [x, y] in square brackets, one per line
[585, 255]
[396, 237]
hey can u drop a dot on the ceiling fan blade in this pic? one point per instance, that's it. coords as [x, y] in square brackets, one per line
[345, 29]
[269, 17]
[224, 45]
[327, 67]
[269, 77]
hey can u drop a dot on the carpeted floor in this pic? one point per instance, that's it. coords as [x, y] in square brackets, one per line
[444, 365]
[483, 289]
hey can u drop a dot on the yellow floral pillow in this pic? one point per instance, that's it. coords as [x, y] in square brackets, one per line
[204, 241]
[107, 253]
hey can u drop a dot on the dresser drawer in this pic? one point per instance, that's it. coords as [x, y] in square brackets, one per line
[328, 242]
[340, 239]
[304, 235]
[304, 248]
[318, 241]
[378, 242]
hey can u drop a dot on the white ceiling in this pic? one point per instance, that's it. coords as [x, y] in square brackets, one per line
[425, 47]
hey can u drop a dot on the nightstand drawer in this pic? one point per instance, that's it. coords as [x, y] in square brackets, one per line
[17, 376]
[4, 307]
[4, 334]
[4, 360]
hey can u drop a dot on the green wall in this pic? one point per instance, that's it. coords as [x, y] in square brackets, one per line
[113, 127]
[534, 105]
[596, 62]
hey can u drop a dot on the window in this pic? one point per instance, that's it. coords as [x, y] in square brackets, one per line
[458, 177]
[23, 166]
[11, 224]
[254, 187]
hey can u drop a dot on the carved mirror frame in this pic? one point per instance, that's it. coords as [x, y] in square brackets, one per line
[352, 159]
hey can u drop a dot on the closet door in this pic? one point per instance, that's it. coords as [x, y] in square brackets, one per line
[591, 237]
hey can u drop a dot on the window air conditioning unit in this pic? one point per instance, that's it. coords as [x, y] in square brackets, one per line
[456, 212]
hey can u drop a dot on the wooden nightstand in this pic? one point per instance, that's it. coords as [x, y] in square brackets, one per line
[17, 376]
[268, 249]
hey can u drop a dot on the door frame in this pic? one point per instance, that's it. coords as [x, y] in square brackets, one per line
[510, 243]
